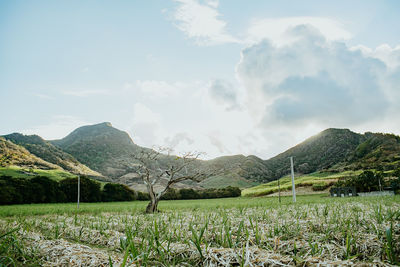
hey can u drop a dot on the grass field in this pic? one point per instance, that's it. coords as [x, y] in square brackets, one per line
[18, 172]
[218, 232]
[312, 179]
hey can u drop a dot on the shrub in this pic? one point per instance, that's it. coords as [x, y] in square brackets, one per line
[320, 186]
[117, 192]
[90, 190]
[142, 196]
[171, 194]
[46, 190]
[188, 194]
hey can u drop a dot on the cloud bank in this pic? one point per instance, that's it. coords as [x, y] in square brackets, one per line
[315, 81]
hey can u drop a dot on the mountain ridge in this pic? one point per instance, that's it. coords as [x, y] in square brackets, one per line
[110, 152]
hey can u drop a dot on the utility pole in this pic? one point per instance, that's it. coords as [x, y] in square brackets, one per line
[279, 190]
[293, 187]
[79, 188]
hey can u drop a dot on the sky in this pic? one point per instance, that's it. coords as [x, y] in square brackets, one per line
[221, 77]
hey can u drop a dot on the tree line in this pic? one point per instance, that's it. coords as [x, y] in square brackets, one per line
[368, 181]
[41, 189]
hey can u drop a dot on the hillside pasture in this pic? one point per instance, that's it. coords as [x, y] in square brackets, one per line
[20, 172]
[317, 180]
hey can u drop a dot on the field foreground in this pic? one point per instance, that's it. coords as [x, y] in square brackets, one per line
[221, 232]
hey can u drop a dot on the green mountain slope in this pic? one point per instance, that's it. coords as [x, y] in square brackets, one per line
[101, 147]
[320, 152]
[50, 153]
[377, 151]
[236, 170]
[15, 155]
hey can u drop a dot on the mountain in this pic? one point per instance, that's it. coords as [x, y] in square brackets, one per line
[377, 151]
[101, 147]
[337, 150]
[110, 152]
[318, 152]
[50, 153]
[12, 154]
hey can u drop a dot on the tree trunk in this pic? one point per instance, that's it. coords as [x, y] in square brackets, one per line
[152, 206]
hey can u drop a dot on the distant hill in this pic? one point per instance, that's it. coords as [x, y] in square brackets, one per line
[15, 155]
[50, 153]
[237, 170]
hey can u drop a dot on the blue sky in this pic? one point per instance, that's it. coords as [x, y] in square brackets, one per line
[223, 77]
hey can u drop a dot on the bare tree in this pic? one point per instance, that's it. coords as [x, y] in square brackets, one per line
[173, 169]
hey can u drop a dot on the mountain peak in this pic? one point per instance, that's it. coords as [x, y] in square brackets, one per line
[106, 123]
[100, 146]
[335, 130]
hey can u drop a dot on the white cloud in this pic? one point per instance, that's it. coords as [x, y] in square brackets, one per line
[215, 140]
[314, 82]
[145, 126]
[276, 29]
[143, 113]
[202, 22]
[177, 139]
[186, 119]
[390, 56]
[223, 92]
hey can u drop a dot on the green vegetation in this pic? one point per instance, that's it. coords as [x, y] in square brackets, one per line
[42, 189]
[318, 181]
[12, 154]
[323, 152]
[369, 180]
[240, 232]
[363, 181]
[50, 153]
[338, 150]
[20, 172]
[378, 151]
[173, 194]
[229, 179]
